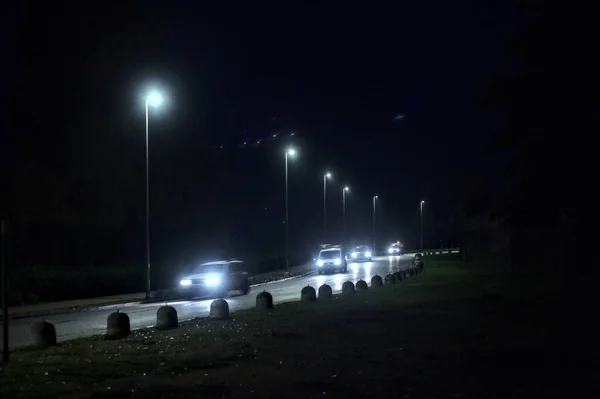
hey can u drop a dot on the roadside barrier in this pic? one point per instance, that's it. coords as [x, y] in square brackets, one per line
[43, 334]
[219, 309]
[308, 294]
[166, 318]
[264, 300]
[117, 325]
[325, 291]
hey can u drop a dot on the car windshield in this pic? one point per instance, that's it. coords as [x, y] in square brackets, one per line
[210, 268]
[362, 249]
[395, 245]
[333, 254]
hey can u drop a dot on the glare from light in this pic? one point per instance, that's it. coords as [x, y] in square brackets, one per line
[154, 98]
[320, 263]
[422, 202]
[291, 152]
[368, 254]
[354, 254]
[337, 262]
[346, 189]
[185, 282]
[213, 281]
[376, 197]
[328, 175]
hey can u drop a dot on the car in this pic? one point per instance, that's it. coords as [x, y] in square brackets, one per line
[215, 279]
[332, 258]
[362, 253]
[396, 249]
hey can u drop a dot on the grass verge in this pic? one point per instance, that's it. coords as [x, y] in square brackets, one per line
[457, 330]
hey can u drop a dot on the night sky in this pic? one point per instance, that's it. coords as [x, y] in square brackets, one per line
[385, 96]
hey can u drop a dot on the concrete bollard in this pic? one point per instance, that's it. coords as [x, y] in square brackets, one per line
[166, 318]
[308, 294]
[325, 291]
[348, 287]
[264, 300]
[398, 276]
[219, 309]
[376, 281]
[361, 285]
[43, 334]
[117, 325]
[390, 279]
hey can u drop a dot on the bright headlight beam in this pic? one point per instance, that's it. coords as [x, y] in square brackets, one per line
[185, 282]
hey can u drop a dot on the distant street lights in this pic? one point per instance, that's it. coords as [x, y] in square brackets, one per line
[325, 177]
[374, 224]
[290, 152]
[154, 99]
[422, 203]
[344, 190]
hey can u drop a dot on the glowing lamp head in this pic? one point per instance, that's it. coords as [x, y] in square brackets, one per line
[291, 152]
[155, 99]
[346, 189]
[328, 175]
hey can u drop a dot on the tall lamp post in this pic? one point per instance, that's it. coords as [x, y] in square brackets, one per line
[374, 224]
[325, 177]
[344, 190]
[290, 152]
[422, 203]
[154, 99]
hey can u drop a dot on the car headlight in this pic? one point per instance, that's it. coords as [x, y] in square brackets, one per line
[368, 254]
[319, 263]
[354, 254]
[390, 250]
[185, 282]
[213, 281]
[337, 262]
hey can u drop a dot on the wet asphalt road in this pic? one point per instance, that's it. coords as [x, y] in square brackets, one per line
[93, 321]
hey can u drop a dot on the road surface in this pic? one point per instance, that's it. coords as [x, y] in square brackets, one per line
[93, 321]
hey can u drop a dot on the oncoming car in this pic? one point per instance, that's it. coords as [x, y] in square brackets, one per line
[215, 279]
[332, 258]
[396, 249]
[362, 253]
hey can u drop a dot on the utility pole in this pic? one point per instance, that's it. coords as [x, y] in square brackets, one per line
[5, 350]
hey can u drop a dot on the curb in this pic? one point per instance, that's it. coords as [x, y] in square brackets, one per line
[284, 279]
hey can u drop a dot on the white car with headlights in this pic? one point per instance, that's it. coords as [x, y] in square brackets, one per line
[362, 253]
[215, 279]
[396, 249]
[332, 259]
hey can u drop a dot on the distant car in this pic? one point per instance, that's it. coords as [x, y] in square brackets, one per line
[362, 253]
[396, 249]
[215, 279]
[332, 259]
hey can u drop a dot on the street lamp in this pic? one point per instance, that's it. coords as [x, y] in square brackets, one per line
[325, 177]
[422, 203]
[154, 99]
[290, 152]
[374, 224]
[344, 190]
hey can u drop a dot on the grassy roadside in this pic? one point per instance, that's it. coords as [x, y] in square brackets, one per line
[456, 330]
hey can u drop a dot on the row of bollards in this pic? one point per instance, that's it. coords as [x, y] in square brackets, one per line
[118, 325]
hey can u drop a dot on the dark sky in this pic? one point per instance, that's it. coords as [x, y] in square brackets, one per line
[334, 73]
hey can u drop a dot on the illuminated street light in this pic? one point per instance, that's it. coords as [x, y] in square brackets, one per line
[154, 99]
[374, 223]
[325, 177]
[289, 152]
[422, 203]
[344, 191]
